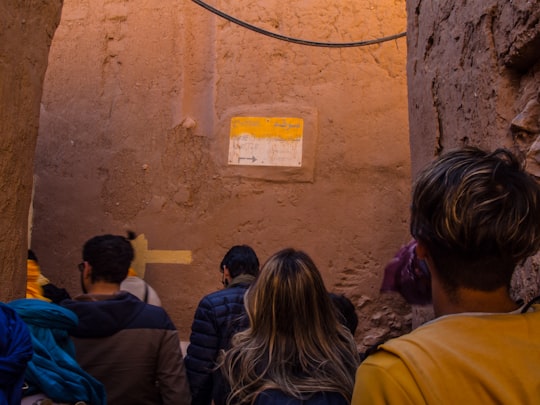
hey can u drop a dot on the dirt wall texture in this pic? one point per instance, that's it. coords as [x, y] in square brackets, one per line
[26, 31]
[134, 134]
[474, 79]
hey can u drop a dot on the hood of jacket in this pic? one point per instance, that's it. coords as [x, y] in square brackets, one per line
[103, 315]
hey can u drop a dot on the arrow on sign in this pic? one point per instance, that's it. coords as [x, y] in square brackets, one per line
[253, 159]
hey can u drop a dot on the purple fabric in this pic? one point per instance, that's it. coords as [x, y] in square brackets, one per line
[408, 275]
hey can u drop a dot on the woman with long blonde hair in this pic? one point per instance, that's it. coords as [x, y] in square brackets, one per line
[295, 350]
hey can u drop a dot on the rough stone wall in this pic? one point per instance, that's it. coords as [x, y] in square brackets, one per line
[474, 79]
[134, 134]
[134, 125]
[472, 68]
[26, 31]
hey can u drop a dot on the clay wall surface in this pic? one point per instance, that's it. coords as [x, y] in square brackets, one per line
[474, 79]
[473, 68]
[26, 31]
[135, 130]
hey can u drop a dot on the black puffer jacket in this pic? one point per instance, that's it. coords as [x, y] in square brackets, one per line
[217, 318]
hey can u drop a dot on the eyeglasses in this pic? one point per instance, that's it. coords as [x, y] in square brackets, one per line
[80, 266]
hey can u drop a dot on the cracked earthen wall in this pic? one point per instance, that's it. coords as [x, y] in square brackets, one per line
[474, 79]
[26, 31]
[134, 134]
[118, 147]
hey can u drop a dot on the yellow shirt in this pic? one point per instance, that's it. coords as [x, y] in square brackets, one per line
[457, 359]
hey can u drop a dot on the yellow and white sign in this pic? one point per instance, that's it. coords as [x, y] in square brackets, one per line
[266, 141]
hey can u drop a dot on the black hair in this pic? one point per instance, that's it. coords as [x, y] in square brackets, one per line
[110, 257]
[346, 312]
[32, 255]
[240, 259]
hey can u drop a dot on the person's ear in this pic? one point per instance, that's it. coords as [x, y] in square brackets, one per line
[87, 272]
[225, 276]
[86, 277]
[226, 273]
[421, 251]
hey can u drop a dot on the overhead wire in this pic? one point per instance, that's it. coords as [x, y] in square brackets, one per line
[296, 40]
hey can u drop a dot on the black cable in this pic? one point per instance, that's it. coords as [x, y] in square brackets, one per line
[295, 40]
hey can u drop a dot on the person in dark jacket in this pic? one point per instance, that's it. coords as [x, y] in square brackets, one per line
[130, 346]
[346, 311]
[218, 317]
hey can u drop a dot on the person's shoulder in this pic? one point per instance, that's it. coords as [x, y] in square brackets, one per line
[154, 310]
[235, 293]
[436, 336]
[153, 317]
[418, 337]
[274, 396]
[385, 357]
[131, 281]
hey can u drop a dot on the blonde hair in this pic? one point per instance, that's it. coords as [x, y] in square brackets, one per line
[295, 342]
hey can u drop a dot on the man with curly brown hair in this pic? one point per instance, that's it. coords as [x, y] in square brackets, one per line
[130, 346]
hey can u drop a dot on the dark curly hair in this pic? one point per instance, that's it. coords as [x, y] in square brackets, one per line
[110, 257]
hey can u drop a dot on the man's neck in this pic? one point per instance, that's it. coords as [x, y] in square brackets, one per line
[242, 279]
[103, 288]
[468, 300]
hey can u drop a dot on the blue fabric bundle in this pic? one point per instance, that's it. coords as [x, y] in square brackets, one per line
[53, 369]
[15, 352]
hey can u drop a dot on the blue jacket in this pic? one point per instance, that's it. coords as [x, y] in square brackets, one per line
[217, 318]
[272, 397]
[53, 369]
[15, 353]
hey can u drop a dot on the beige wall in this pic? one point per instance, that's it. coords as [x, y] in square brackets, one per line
[118, 150]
